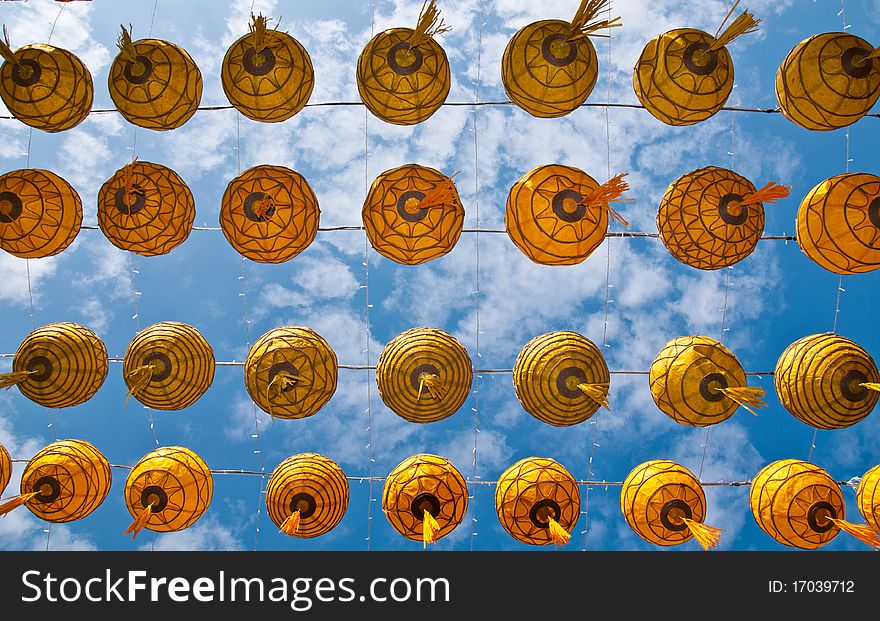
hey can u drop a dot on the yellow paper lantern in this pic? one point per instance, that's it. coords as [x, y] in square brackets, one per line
[838, 223]
[424, 375]
[307, 495]
[45, 87]
[146, 208]
[664, 504]
[712, 217]
[167, 490]
[154, 84]
[685, 75]
[558, 215]
[425, 498]
[549, 67]
[168, 366]
[5, 468]
[59, 365]
[65, 481]
[801, 506]
[561, 378]
[266, 74]
[538, 501]
[291, 372]
[413, 214]
[40, 213]
[269, 214]
[403, 74]
[868, 497]
[697, 381]
[827, 381]
[828, 81]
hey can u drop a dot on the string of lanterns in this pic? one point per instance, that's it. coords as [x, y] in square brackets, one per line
[425, 374]
[425, 497]
[548, 69]
[556, 215]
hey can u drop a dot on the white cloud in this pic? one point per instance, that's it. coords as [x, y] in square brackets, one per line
[493, 451]
[14, 284]
[95, 315]
[206, 534]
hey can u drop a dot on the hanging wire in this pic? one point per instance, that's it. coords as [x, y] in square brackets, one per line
[477, 84]
[257, 435]
[361, 479]
[357, 227]
[48, 529]
[372, 367]
[367, 332]
[724, 329]
[462, 104]
[595, 421]
[840, 289]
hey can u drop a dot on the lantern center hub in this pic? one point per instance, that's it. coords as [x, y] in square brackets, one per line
[304, 503]
[851, 386]
[874, 212]
[567, 382]
[672, 514]
[137, 71]
[731, 210]
[258, 63]
[699, 60]
[855, 62]
[10, 207]
[403, 59]
[543, 511]
[820, 515]
[408, 206]
[425, 502]
[557, 51]
[161, 366]
[421, 371]
[26, 72]
[567, 206]
[40, 367]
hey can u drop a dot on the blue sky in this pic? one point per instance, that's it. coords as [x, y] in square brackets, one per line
[775, 296]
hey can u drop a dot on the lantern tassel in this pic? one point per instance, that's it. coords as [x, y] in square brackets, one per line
[15, 503]
[558, 535]
[138, 380]
[8, 380]
[746, 396]
[290, 525]
[259, 28]
[263, 206]
[707, 536]
[139, 522]
[743, 24]
[6, 49]
[431, 383]
[584, 23]
[862, 532]
[430, 23]
[770, 193]
[607, 193]
[440, 194]
[430, 528]
[128, 179]
[596, 392]
[282, 381]
[126, 47]
[871, 386]
[875, 53]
